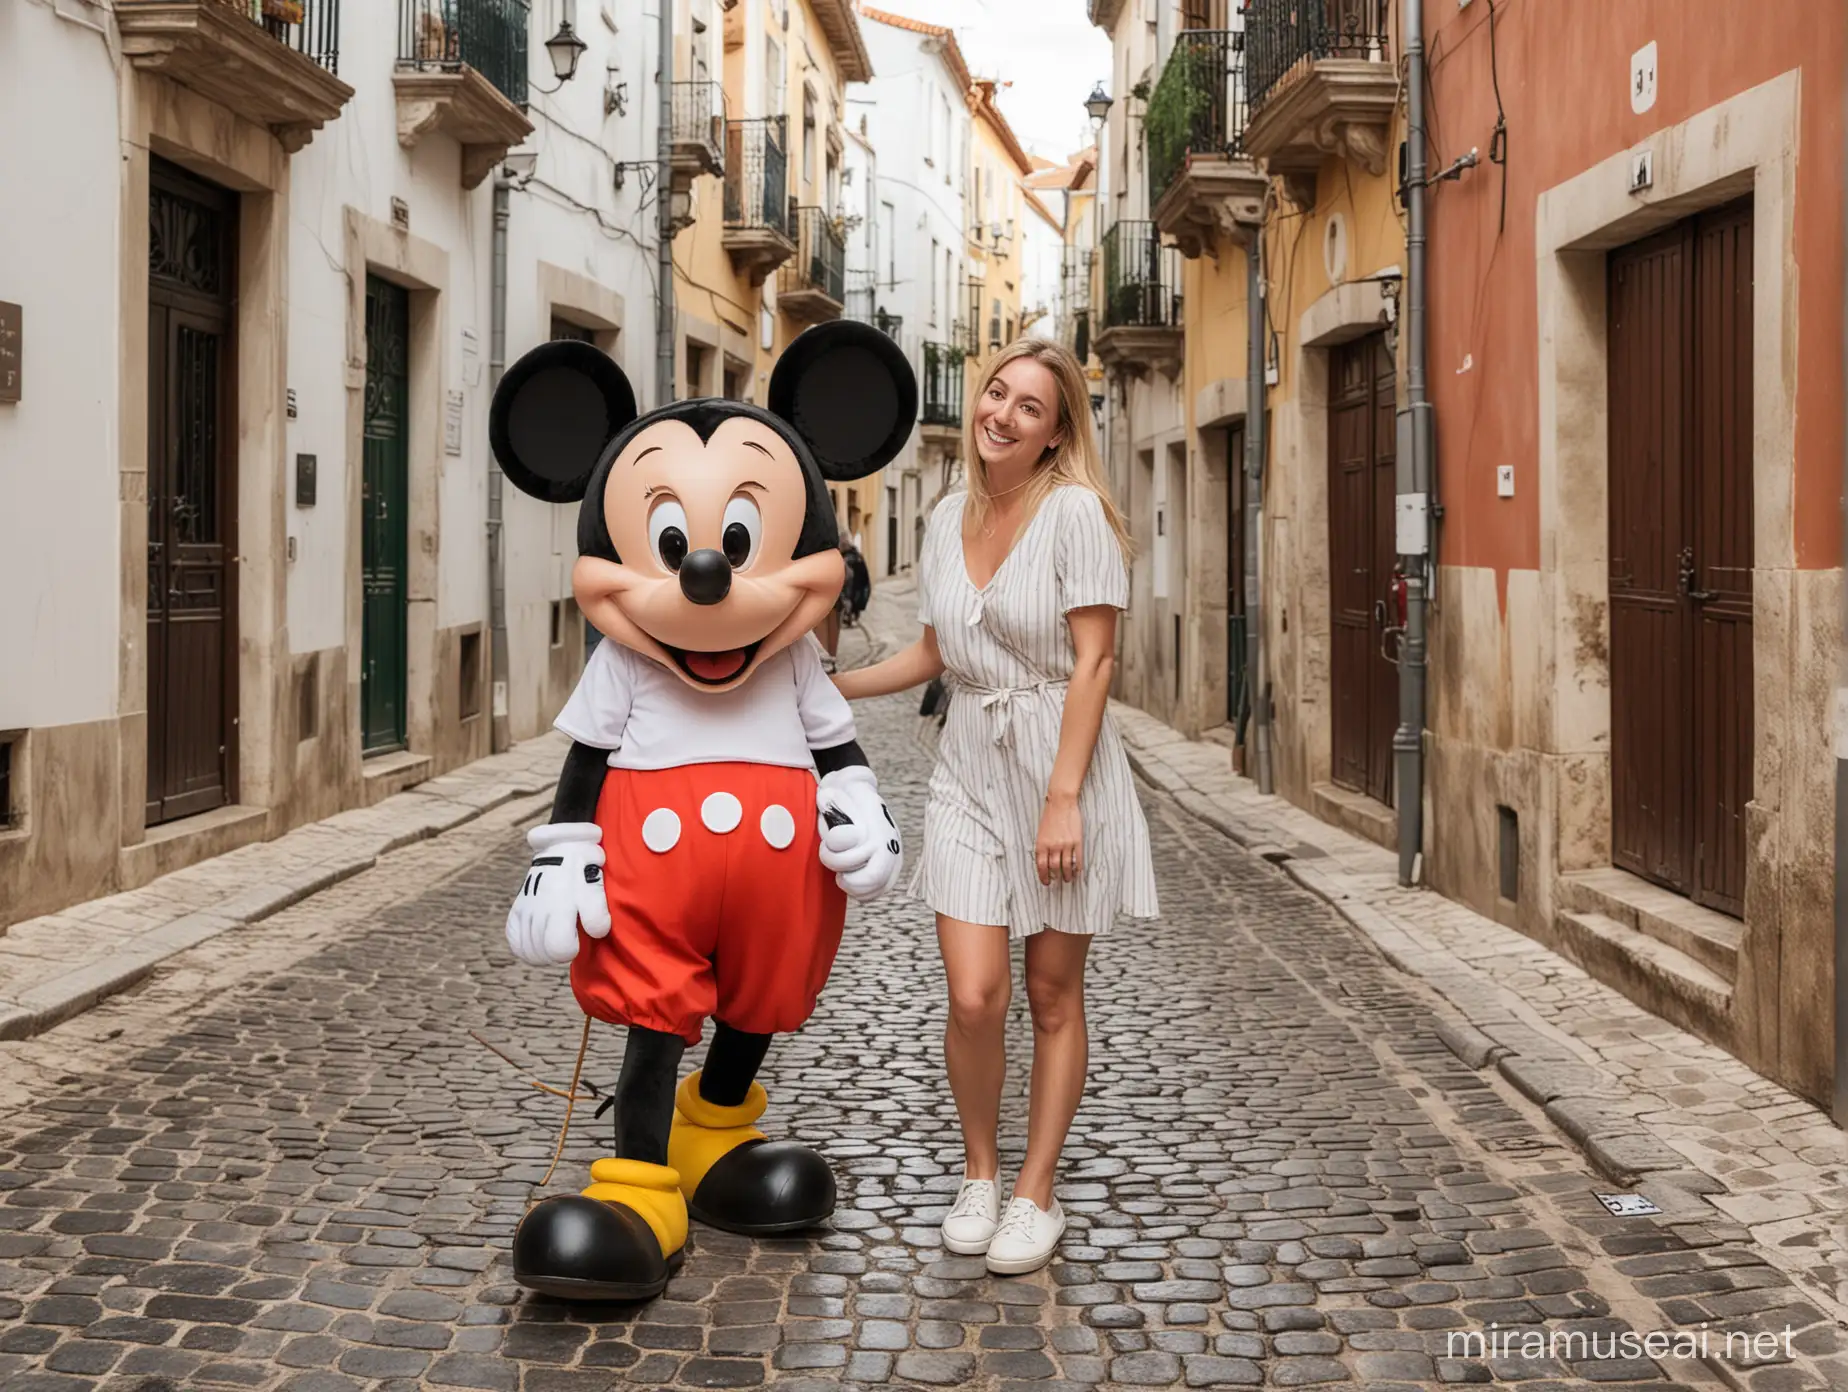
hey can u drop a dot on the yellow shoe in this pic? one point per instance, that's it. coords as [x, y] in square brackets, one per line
[621, 1239]
[736, 1179]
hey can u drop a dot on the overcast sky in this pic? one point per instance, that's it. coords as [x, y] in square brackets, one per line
[1047, 49]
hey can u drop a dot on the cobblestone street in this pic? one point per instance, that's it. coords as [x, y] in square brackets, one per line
[290, 1164]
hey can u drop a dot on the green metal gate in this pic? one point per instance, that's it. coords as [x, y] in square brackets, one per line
[384, 506]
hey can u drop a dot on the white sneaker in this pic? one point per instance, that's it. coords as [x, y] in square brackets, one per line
[1026, 1239]
[972, 1218]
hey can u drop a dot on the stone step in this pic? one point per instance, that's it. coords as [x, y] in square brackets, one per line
[1660, 978]
[1708, 937]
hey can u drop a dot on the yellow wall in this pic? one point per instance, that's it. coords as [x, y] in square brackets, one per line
[1002, 203]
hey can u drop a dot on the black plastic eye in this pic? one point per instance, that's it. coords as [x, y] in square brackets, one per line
[737, 544]
[672, 543]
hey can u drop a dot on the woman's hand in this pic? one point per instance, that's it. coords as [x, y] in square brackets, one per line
[1058, 851]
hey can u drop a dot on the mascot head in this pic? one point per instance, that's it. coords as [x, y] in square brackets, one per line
[706, 536]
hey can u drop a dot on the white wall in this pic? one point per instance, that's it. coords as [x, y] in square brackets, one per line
[60, 463]
[1042, 255]
[357, 162]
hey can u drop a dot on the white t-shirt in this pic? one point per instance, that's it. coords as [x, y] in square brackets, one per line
[649, 718]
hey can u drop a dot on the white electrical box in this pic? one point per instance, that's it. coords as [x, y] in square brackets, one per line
[1411, 538]
[1643, 78]
[1504, 481]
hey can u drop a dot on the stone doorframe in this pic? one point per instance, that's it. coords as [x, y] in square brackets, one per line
[1217, 408]
[422, 268]
[1350, 310]
[583, 301]
[1746, 144]
[165, 119]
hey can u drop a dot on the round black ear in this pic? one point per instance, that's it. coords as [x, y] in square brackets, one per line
[554, 412]
[848, 391]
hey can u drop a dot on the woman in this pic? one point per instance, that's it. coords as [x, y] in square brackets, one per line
[1032, 829]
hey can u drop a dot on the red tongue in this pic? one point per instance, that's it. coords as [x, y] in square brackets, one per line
[715, 667]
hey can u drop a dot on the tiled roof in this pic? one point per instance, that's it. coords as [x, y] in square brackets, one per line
[952, 53]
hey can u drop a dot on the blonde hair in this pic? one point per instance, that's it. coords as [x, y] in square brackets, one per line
[1074, 460]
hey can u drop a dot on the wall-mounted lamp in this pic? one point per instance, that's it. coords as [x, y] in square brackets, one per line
[564, 49]
[1097, 105]
[615, 96]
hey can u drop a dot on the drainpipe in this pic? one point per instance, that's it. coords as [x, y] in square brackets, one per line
[1414, 476]
[664, 212]
[1255, 444]
[1841, 826]
[499, 737]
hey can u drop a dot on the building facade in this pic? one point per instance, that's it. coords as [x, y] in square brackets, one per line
[1636, 340]
[279, 479]
[918, 118]
[1634, 347]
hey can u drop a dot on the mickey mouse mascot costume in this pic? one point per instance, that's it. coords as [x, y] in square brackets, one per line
[715, 810]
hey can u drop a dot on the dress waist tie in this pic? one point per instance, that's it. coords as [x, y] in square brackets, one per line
[1000, 699]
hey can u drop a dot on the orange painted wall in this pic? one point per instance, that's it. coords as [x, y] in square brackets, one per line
[1564, 67]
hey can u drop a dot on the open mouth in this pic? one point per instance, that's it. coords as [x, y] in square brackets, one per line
[1002, 440]
[713, 668]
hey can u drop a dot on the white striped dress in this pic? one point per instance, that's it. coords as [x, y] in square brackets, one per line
[1007, 655]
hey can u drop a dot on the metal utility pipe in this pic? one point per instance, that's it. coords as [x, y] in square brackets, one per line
[1414, 474]
[1841, 820]
[499, 733]
[664, 211]
[1255, 445]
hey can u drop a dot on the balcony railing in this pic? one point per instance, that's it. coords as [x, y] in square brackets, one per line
[699, 117]
[942, 387]
[1075, 279]
[310, 27]
[1142, 279]
[1282, 36]
[1198, 107]
[757, 174]
[820, 262]
[488, 35]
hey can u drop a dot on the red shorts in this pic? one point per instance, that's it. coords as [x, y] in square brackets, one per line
[719, 905]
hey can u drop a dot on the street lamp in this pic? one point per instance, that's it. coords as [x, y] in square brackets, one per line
[1098, 104]
[519, 165]
[565, 48]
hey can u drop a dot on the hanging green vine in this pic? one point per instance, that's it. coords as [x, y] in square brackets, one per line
[1187, 111]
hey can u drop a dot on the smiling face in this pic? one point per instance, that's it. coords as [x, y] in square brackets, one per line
[706, 585]
[1017, 419]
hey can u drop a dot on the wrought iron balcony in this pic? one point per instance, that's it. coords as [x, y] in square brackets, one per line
[462, 71]
[699, 132]
[811, 286]
[273, 63]
[941, 390]
[1140, 323]
[891, 325]
[487, 35]
[1075, 267]
[757, 232]
[1200, 182]
[1321, 80]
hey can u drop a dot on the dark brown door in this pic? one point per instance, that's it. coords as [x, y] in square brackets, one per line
[1236, 633]
[1680, 306]
[1361, 492]
[192, 511]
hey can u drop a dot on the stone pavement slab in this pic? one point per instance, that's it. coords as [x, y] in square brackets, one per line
[1657, 1109]
[59, 965]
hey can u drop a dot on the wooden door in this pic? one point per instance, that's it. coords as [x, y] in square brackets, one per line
[1361, 492]
[384, 502]
[1236, 633]
[1680, 307]
[192, 507]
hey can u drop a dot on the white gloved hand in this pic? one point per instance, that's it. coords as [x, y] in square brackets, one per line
[860, 843]
[563, 887]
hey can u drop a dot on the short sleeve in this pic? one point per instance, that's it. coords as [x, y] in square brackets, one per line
[827, 719]
[1088, 562]
[598, 711]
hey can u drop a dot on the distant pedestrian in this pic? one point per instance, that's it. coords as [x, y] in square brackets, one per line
[1032, 822]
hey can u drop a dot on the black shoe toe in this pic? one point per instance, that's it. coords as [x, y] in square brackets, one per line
[584, 1249]
[765, 1187]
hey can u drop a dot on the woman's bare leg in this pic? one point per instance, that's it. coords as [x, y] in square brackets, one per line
[975, 1044]
[1061, 1055]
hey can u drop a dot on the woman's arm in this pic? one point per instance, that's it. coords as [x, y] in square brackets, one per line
[906, 668]
[1059, 847]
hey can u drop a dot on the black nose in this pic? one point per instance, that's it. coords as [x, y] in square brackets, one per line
[705, 576]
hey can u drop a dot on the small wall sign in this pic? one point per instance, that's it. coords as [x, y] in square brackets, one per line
[12, 350]
[452, 423]
[304, 480]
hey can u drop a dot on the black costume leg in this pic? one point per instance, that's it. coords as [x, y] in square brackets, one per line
[602, 1245]
[733, 1176]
